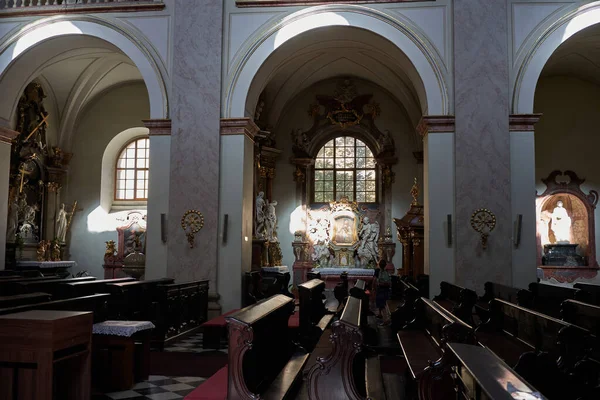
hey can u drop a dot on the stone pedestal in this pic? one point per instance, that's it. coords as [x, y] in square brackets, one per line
[562, 254]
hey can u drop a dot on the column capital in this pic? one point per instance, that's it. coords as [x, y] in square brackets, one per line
[523, 122]
[239, 126]
[158, 127]
[7, 135]
[435, 123]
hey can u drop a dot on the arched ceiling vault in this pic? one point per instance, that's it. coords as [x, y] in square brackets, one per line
[336, 52]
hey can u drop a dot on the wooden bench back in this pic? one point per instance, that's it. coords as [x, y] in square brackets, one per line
[23, 299]
[582, 314]
[548, 298]
[97, 303]
[54, 287]
[511, 294]
[10, 286]
[480, 374]
[338, 376]
[591, 292]
[259, 345]
[273, 283]
[86, 288]
[136, 300]
[462, 300]
[439, 324]
[180, 308]
[541, 332]
[312, 308]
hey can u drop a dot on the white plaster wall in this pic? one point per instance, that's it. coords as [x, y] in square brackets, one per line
[566, 137]
[4, 180]
[114, 111]
[393, 118]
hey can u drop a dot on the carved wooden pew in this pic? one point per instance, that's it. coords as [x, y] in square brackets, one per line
[182, 308]
[458, 300]
[86, 288]
[263, 361]
[273, 283]
[97, 303]
[592, 292]
[54, 287]
[423, 343]
[540, 348]
[23, 299]
[586, 316]
[314, 317]
[480, 374]
[10, 286]
[345, 372]
[136, 301]
[402, 311]
[340, 291]
[494, 290]
[548, 298]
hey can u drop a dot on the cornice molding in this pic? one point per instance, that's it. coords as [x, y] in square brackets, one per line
[239, 126]
[7, 135]
[523, 122]
[158, 127]
[435, 124]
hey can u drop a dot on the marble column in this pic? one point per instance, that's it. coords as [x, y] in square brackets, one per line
[159, 131]
[438, 198]
[6, 137]
[236, 201]
[482, 140]
[195, 114]
[522, 183]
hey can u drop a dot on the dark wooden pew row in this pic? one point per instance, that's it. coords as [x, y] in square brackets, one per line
[263, 361]
[10, 287]
[586, 316]
[423, 343]
[54, 287]
[346, 372]
[182, 308]
[458, 300]
[592, 292]
[402, 310]
[86, 288]
[548, 298]
[23, 299]
[480, 375]
[494, 290]
[136, 301]
[542, 349]
[273, 283]
[340, 291]
[96, 303]
[314, 317]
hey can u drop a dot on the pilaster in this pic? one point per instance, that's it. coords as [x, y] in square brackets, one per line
[159, 131]
[6, 138]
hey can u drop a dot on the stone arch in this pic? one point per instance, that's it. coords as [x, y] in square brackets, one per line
[145, 58]
[430, 70]
[555, 32]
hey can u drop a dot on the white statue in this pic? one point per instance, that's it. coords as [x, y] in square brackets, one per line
[321, 254]
[367, 249]
[13, 220]
[271, 222]
[561, 224]
[259, 219]
[61, 224]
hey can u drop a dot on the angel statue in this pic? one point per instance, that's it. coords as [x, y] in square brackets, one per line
[259, 217]
[367, 249]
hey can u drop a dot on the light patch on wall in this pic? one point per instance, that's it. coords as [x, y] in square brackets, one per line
[43, 33]
[100, 221]
[298, 220]
[302, 25]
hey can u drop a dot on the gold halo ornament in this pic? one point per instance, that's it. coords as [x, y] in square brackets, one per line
[483, 222]
[191, 223]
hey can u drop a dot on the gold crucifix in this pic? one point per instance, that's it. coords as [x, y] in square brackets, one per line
[23, 171]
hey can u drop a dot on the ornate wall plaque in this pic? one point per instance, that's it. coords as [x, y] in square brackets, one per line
[191, 223]
[483, 221]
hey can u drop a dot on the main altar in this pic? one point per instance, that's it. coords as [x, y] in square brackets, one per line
[341, 237]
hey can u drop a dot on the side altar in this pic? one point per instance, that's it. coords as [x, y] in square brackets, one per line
[341, 237]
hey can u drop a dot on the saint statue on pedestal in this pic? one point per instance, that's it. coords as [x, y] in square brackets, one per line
[367, 249]
[61, 224]
[260, 215]
[271, 222]
[561, 224]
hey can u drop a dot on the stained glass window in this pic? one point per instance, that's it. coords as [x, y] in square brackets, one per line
[132, 171]
[345, 167]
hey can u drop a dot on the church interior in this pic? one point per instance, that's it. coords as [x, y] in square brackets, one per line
[299, 199]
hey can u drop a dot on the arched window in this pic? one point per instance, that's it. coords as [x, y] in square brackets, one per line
[131, 181]
[345, 167]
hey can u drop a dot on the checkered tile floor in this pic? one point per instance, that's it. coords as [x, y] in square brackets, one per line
[193, 344]
[156, 388]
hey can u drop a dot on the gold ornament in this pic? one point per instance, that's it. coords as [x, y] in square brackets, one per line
[191, 223]
[414, 192]
[483, 222]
